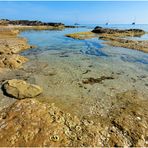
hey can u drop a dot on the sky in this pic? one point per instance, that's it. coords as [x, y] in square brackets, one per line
[82, 12]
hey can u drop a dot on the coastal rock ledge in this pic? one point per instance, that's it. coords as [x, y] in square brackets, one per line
[20, 89]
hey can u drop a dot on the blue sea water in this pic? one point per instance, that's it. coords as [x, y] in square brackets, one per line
[120, 26]
[60, 64]
[48, 40]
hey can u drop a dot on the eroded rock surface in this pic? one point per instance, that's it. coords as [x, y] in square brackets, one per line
[32, 123]
[10, 46]
[82, 35]
[116, 40]
[20, 89]
[12, 61]
[133, 32]
[117, 37]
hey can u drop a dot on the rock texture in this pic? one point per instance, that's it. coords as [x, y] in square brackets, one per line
[117, 37]
[12, 61]
[126, 43]
[10, 46]
[82, 35]
[29, 122]
[32, 23]
[20, 89]
[134, 32]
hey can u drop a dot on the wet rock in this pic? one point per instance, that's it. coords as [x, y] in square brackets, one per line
[20, 89]
[114, 40]
[82, 35]
[32, 123]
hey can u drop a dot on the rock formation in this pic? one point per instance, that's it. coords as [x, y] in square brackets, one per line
[10, 46]
[134, 32]
[30, 122]
[30, 23]
[20, 89]
[117, 37]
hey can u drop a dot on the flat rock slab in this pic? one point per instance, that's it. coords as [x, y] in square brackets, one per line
[20, 89]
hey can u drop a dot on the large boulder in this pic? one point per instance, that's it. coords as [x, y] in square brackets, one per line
[20, 89]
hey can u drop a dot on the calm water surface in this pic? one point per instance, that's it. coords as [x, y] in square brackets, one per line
[56, 40]
[71, 61]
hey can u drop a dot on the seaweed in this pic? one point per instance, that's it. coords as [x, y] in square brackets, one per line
[96, 80]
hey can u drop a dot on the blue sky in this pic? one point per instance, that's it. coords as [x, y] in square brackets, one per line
[83, 12]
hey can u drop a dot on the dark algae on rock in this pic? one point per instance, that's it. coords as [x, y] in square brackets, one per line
[133, 32]
[96, 80]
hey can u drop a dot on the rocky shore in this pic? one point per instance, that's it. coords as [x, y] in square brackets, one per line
[28, 23]
[10, 46]
[82, 35]
[38, 25]
[32, 123]
[120, 120]
[115, 37]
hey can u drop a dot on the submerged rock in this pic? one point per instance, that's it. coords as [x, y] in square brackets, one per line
[20, 89]
[82, 35]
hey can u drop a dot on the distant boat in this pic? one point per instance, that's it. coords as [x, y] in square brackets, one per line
[133, 23]
[107, 23]
[76, 24]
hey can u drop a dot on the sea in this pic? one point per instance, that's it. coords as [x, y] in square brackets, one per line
[61, 65]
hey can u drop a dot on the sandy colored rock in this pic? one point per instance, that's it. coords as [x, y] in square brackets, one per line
[10, 46]
[129, 118]
[118, 41]
[30, 122]
[13, 45]
[12, 61]
[20, 89]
